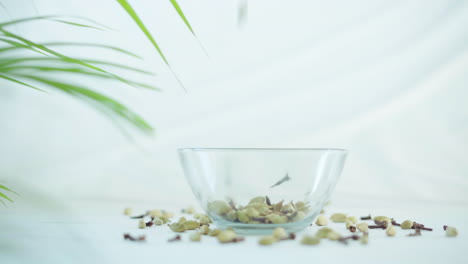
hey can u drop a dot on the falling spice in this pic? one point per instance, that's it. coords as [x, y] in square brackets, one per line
[283, 180]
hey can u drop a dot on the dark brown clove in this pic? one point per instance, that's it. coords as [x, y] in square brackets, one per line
[176, 238]
[377, 227]
[150, 223]
[369, 217]
[445, 227]
[420, 226]
[395, 223]
[344, 239]
[352, 229]
[291, 236]
[237, 239]
[268, 202]
[131, 238]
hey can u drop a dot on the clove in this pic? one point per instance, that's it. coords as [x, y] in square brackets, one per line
[420, 226]
[150, 223]
[176, 238]
[291, 236]
[352, 229]
[395, 223]
[267, 200]
[237, 239]
[377, 227]
[344, 239]
[369, 217]
[131, 238]
[445, 227]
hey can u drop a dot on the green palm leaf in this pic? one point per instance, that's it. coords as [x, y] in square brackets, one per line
[12, 61]
[96, 99]
[182, 15]
[131, 12]
[77, 44]
[20, 82]
[23, 70]
[6, 197]
[57, 18]
[2, 195]
[19, 45]
[57, 54]
[7, 189]
[14, 69]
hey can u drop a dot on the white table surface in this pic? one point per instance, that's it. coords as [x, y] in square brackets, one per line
[89, 231]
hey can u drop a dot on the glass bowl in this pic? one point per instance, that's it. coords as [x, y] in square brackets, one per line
[254, 190]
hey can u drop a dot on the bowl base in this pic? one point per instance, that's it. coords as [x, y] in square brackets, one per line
[262, 229]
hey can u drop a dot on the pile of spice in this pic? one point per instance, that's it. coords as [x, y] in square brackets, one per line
[259, 210]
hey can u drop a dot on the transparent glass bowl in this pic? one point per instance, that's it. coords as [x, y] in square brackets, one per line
[225, 180]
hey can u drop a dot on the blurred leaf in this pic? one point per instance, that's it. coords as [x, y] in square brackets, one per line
[182, 15]
[19, 45]
[7, 189]
[59, 55]
[74, 71]
[55, 18]
[96, 98]
[6, 197]
[131, 12]
[78, 44]
[21, 70]
[242, 13]
[19, 82]
[11, 61]
[76, 24]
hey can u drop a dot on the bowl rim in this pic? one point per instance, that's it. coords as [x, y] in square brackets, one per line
[261, 149]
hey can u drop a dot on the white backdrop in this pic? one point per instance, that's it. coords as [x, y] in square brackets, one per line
[385, 79]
